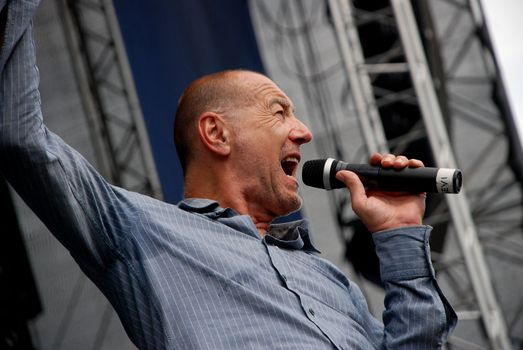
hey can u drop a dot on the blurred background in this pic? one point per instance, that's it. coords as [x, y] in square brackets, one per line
[433, 79]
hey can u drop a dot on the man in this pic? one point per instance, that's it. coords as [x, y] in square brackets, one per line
[212, 272]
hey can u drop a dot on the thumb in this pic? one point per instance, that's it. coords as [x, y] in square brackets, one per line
[354, 184]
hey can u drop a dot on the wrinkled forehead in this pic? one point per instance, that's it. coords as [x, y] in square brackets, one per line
[264, 90]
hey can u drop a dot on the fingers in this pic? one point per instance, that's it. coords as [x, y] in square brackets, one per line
[375, 159]
[354, 184]
[415, 163]
[392, 161]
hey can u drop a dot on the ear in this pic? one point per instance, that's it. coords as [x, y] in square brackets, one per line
[214, 133]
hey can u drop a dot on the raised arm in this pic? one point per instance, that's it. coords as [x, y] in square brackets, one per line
[84, 212]
[417, 314]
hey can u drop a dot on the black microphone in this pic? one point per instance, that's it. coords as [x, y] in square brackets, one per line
[321, 173]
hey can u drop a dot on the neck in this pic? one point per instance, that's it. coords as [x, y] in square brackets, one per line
[259, 216]
[222, 189]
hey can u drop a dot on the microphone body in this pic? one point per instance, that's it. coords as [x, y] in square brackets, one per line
[321, 173]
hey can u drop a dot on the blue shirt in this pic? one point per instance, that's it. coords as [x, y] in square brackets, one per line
[195, 275]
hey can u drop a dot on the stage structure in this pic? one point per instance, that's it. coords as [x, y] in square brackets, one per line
[418, 78]
[108, 95]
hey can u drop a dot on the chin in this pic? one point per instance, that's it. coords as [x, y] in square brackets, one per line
[293, 205]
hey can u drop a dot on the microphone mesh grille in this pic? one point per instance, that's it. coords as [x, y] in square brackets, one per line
[312, 173]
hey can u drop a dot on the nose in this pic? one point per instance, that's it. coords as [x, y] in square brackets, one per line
[300, 133]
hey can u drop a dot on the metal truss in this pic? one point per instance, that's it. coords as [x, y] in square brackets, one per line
[467, 90]
[489, 150]
[108, 94]
[115, 120]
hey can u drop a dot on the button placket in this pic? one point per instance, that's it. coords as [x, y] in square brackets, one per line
[276, 255]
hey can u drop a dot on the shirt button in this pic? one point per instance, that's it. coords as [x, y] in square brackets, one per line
[311, 312]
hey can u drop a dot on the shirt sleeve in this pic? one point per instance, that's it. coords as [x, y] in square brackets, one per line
[417, 315]
[80, 208]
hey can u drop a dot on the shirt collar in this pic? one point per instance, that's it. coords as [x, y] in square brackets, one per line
[199, 205]
[289, 235]
[227, 216]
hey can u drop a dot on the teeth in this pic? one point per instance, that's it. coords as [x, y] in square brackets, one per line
[291, 159]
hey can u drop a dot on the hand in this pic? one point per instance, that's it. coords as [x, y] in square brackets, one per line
[380, 210]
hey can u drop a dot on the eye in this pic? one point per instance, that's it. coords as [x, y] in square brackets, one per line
[280, 113]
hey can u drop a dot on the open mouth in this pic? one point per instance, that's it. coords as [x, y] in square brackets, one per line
[290, 166]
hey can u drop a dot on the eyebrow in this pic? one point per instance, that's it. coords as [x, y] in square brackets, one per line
[283, 102]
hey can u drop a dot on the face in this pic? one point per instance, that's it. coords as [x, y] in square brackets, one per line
[267, 144]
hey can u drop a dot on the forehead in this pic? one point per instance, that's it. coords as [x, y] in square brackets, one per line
[265, 90]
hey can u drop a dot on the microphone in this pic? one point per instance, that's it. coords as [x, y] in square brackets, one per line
[321, 173]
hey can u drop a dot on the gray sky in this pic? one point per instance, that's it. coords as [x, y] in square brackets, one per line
[505, 21]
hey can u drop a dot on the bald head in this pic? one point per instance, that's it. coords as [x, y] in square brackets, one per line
[221, 93]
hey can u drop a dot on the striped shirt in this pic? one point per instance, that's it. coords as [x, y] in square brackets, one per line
[195, 275]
